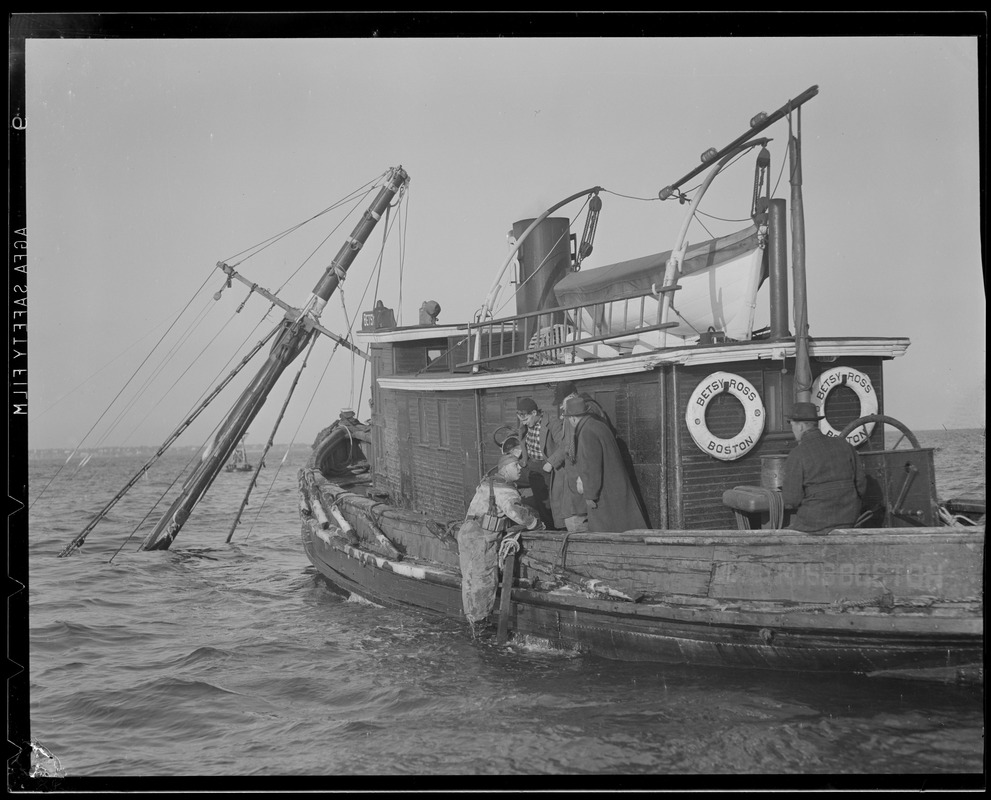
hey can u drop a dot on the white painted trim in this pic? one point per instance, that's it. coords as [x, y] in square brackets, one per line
[394, 335]
[686, 356]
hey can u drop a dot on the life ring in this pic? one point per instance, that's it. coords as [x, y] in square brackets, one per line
[864, 389]
[753, 426]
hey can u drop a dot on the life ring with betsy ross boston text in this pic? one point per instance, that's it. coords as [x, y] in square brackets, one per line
[861, 386]
[753, 426]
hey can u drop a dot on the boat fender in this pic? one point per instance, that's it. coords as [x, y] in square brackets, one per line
[753, 426]
[862, 387]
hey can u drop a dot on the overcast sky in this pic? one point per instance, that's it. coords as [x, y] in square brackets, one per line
[150, 160]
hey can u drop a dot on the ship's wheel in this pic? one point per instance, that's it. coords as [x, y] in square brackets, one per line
[884, 419]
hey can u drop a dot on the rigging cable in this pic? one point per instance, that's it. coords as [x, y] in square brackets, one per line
[550, 250]
[250, 334]
[121, 354]
[478, 314]
[119, 393]
[81, 537]
[350, 326]
[161, 497]
[377, 272]
[292, 440]
[358, 203]
[268, 446]
[275, 238]
[402, 255]
[78, 541]
[156, 372]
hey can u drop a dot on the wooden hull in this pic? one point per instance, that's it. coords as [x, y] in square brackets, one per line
[748, 618]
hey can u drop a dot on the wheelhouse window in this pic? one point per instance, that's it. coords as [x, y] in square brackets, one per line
[436, 359]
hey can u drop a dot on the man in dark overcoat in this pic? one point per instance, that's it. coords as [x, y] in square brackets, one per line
[602, 478]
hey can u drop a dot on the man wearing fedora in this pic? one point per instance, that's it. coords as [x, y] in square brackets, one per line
[610, 499]
[823, 479]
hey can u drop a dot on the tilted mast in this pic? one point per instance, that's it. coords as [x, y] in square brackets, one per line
[294, 334]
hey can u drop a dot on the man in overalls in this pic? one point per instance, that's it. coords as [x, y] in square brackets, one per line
[496, 505]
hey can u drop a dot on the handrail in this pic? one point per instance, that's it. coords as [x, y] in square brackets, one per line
[494, 328]
[544, 312]
[569, 345]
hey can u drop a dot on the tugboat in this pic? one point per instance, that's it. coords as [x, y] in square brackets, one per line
[664, 348]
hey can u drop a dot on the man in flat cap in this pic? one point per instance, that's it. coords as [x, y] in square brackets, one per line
[823, 479]
[542, 439]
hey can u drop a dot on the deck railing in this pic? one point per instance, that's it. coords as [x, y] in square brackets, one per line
[573, 333]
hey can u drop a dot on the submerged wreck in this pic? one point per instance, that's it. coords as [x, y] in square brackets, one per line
[665, 346]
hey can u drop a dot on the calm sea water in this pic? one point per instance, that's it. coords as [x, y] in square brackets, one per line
[215, 659]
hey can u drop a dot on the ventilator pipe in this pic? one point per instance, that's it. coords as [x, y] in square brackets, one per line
[490, 299]
[778, 269]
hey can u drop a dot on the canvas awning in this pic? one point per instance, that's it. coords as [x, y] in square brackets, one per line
[635, 277]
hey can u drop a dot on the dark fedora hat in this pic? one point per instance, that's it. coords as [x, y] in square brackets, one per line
[804, 412]
[562, 390]
[575, 406]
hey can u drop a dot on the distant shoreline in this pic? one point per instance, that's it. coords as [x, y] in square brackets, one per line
[41, 454]
[147, 450]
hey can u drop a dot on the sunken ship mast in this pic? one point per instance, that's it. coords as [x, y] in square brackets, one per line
[295, 331]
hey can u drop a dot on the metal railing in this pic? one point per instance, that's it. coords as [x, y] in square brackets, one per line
[572, 328]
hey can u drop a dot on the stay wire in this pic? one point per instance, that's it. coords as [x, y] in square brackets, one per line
[350, 324]
[155, 373]
[119, 393]
[198, 357]
[72, 392]
[358, 203]
[196, 453]
[299, 425]
[81, 537]
[263, 245]
[376, 273]
[161, 497]
[461, 341]
[402, 254]
[268, 446]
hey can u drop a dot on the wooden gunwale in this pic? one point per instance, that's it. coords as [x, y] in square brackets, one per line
[730, 615]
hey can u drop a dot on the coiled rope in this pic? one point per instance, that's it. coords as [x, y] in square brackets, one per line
[509, 544]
